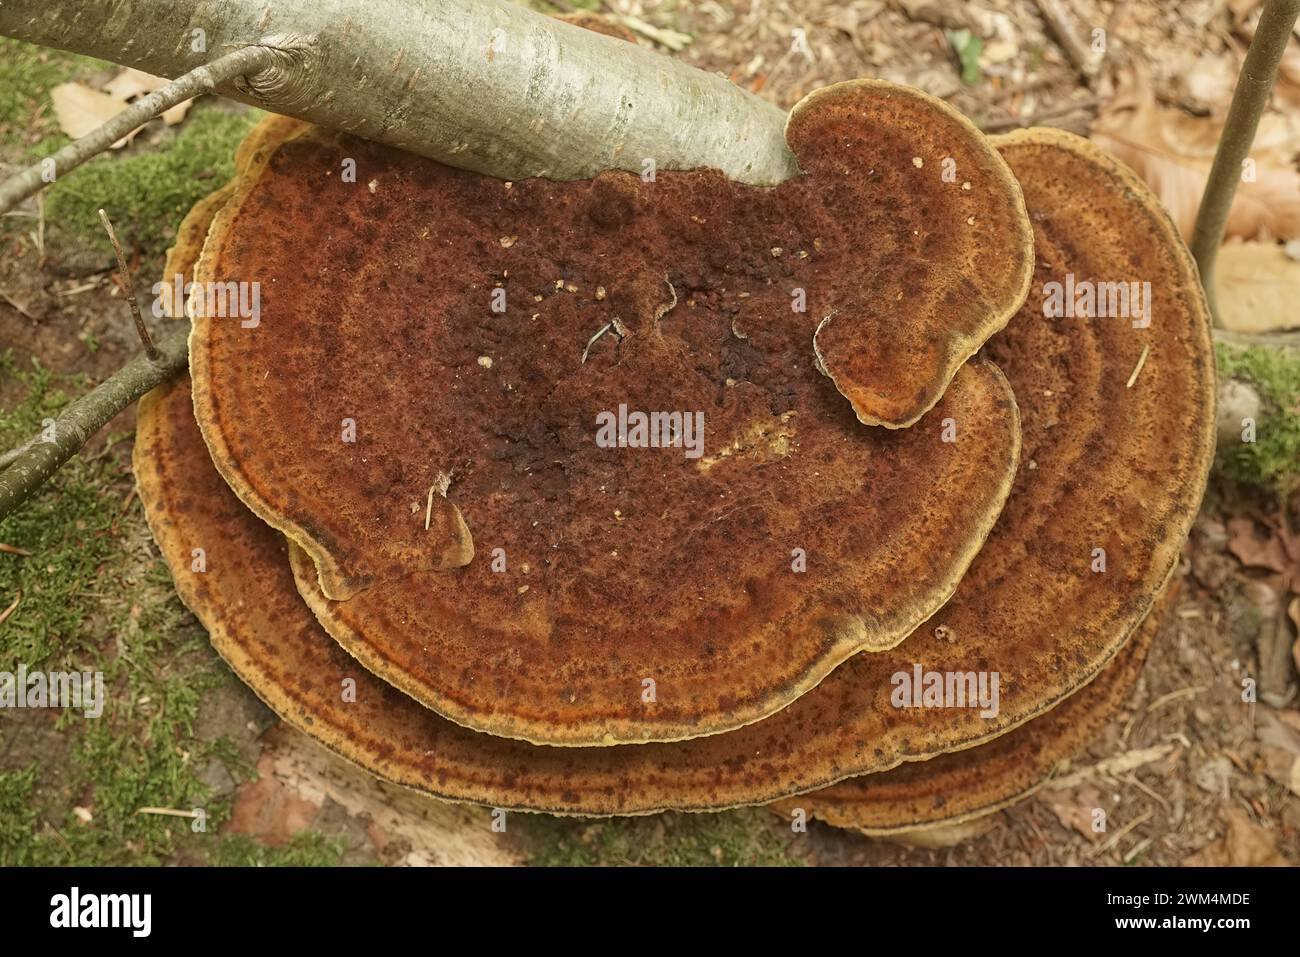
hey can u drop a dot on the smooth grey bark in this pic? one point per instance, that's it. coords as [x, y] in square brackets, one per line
[483, 85]
[1249, 99]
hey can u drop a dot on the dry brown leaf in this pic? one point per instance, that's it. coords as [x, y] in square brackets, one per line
[80, 110]
[1075, 812]
[1172, 151]
[1254, 549]
[1273, 729]
[1259, 286]
[1245, 844]
[1207, 81]
[132, 83]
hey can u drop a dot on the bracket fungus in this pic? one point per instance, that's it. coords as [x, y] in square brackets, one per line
[961, 786]
[1112, 470]
[531, 525]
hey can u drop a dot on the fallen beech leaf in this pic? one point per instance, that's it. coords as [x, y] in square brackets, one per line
[1207, 81]
[1252, 549]
[1277, 728]
[177, 113]
[80, 110]
[1246, 844]
[131, 83]
[1259, 285]
[1076, 813]
[1172, 151]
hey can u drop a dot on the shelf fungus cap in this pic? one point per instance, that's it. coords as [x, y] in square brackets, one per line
[951, 246]
[963, 786]
[1111, 461]
[556, 458]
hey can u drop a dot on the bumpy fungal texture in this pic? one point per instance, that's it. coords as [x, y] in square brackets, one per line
[499, 561]
[952, 217]
[1031, 607]
[558, 660]
[964, 785]
[184, 253]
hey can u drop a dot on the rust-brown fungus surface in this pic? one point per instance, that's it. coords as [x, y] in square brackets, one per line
[1102, 461]
[441, 402]
[963, 785]
[949, 212]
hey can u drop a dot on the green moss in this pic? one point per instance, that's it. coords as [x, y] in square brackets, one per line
[95, 598]
[147, 194]
[18, 816]
[147, 190]
[1272, 461]
[27, 74]
[748, 838]
[305, 849]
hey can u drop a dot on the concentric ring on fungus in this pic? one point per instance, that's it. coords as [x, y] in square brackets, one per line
[1031, 607]
[439, 402]
[961, 786]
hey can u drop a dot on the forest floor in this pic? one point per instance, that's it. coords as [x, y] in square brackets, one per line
[1187, 771]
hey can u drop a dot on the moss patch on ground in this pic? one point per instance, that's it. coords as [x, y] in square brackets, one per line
[27, 74]
[1272, 461]
[93, 595]
[747, 838]
[148, 193]
[147, 188]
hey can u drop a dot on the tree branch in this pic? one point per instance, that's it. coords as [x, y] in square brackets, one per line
[1254, 84]
[39, 459]
[484, 85]
[202, 79]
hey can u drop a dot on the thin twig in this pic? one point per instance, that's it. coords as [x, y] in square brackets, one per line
[167, 812]
[1064, 24]
[1254, 84]
[128, 284]
[10, 610]
[200, 80]
[85, 416]
[1137, 369]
